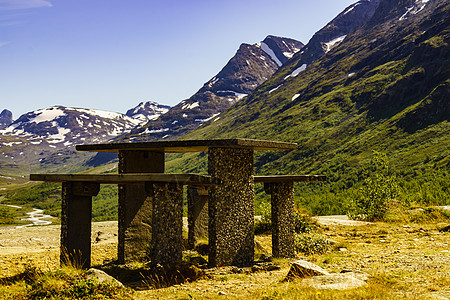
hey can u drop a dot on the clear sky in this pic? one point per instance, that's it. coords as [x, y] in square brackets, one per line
[113, 54]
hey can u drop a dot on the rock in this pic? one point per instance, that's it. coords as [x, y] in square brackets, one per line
[337, 281]
[302, 268]
[445, 229]
[221, 293]
[260, 248]
[198, 261]
[101, 276]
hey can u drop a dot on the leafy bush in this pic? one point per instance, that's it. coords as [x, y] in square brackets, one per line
[378, 189]
[303, 223]
[311, 244]
[264, 225]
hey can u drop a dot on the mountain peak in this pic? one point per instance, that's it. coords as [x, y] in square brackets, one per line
[245, 71]
[146, 111]
[5, 119]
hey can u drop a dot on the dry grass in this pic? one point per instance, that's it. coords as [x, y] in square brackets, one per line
[403, 260]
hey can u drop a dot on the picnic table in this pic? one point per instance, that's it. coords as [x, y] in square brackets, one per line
[150, 204]
[231, 212]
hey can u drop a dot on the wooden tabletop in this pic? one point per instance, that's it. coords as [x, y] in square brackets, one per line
[189, 145]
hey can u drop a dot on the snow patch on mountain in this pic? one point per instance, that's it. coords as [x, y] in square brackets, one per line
[297, 71]
[333, 43]
[190, 105]
[418, 6]
[270, 52]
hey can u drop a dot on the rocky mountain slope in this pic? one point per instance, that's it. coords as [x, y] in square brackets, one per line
[5, 119]
[47, 137]
[384, 87]
[247, 69]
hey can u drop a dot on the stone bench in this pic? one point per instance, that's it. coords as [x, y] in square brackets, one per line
[166, 191]
[281, 189]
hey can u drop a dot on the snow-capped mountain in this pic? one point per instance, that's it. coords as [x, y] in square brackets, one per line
[146, 111]
[5, 119]
[332, 34]
[246, 70]
[44, 134]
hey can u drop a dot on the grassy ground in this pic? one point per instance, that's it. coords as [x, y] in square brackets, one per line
[403, 260]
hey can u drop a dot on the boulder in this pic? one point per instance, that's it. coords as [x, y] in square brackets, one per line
[101, 276]
[302, 269]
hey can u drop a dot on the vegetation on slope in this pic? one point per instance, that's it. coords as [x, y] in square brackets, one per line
[385, 88]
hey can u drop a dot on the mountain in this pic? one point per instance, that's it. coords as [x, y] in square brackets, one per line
[5, 119]
[146, 111]
[332, 35]
[47, 137]
[385, 87]
[247, 69]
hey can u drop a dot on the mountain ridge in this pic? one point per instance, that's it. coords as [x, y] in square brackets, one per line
[385, 88]
[247, 69]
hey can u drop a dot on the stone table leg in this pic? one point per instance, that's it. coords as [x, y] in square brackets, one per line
[283, 231]
[231, 214]
[167, 223]
[197, 200]
[135, 208]
[76, 214]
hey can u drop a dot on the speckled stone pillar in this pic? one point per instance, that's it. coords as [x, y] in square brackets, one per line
[76, 214]
[167, 223]
[197, 200]
[135, 208]
[231, 215]
[283, 231]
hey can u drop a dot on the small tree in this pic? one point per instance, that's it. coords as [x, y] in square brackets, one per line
[378, 189]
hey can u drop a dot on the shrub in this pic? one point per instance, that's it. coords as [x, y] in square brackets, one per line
[378, 189]
[311, 244]
[303, 223]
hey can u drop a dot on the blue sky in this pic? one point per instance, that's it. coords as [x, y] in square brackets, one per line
[113, 54]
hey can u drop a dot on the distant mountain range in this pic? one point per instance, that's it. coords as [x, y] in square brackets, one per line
[246, 70]
[47, 137]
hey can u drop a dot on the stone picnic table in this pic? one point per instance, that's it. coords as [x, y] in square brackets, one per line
[150, 204]
[230, 203]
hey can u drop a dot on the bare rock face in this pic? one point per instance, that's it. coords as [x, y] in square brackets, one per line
[5, 119]
[302, 269]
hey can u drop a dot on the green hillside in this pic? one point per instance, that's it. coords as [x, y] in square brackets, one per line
[384, 88]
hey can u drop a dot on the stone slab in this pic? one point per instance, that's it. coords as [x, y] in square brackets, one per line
[189, 145]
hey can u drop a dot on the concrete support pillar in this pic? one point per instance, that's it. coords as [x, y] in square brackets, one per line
[135, 208]
[197, 200]
[283, 230]
[167, 223]
[76, 214]
[231, 214]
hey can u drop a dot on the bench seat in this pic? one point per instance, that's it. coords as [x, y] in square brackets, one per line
[185, 179]
[165, 190]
